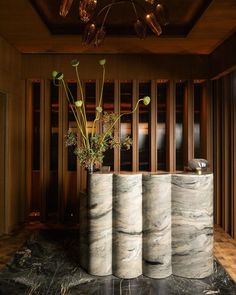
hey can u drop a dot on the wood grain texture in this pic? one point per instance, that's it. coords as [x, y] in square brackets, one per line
[11, 85]
[224, 151]
[226, 155]
[120, 67]
[3, 103]
[170, 123]
[188, 123]
[233, 144]
[153, 127]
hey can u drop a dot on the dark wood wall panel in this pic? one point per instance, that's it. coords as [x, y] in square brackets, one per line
[224, 96]
[233, 152]
[226, 155]
[125, 66]
[223, 58]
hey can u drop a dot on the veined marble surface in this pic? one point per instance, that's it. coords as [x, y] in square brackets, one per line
[127, 222]
[47, 264]
[157, 225]
[83, 230]
[100, 224]
[192, 225]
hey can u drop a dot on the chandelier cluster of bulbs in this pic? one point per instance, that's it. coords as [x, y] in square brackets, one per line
[153, 15]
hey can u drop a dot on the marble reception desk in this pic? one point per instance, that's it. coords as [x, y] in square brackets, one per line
[151, 224]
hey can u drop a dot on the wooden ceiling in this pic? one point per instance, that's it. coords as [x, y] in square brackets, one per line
[195, 27]
[182, 16]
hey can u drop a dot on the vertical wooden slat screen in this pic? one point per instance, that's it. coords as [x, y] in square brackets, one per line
[224, 96]
[65, 176]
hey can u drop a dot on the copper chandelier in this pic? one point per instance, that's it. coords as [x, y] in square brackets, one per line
[146, 13]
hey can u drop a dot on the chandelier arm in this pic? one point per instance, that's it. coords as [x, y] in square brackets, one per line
[106, 14]
[109, 5]
[135, 10]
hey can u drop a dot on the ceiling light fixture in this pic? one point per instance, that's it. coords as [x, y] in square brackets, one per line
[145, 13]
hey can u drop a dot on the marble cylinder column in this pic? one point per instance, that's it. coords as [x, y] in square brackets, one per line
[127, 222]
[83, 230]
[157, 225]
[192, 225]
[100, 224]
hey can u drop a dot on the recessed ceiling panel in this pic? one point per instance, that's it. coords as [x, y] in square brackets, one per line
[182, 16]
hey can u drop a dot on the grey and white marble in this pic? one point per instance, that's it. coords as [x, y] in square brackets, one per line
[192, 225]
[127, 223]
[100, 224]
[83, 230]
[47, 264]
[157, 225]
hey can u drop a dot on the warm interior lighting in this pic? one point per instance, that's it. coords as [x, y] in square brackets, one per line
[149, 13]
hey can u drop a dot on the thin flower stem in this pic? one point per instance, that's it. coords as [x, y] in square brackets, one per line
[96, 119]
[118, 118]
[105, 17]
[82, 97]
[71, 105]
[100, 99]
[75, 115]
[135, 10]
[86, 130]
[83, 117]
[103, 80]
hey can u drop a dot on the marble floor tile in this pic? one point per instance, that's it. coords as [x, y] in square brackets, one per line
[48, 265]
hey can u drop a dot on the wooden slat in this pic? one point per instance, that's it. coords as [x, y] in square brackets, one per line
[153, 126]
[225, 156]
[78, 166]
[217, 152]
[170, 124]
[60, 155]
[188, 123]
[135, 120]
[203, 122]
[69, 177]
[3, 108]
[117, 128]
[28, 147]
[42, 152]
[233, 151]
[209, 122]
[206, 124]
[64, 155]
[234, 155]
[47, 140]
